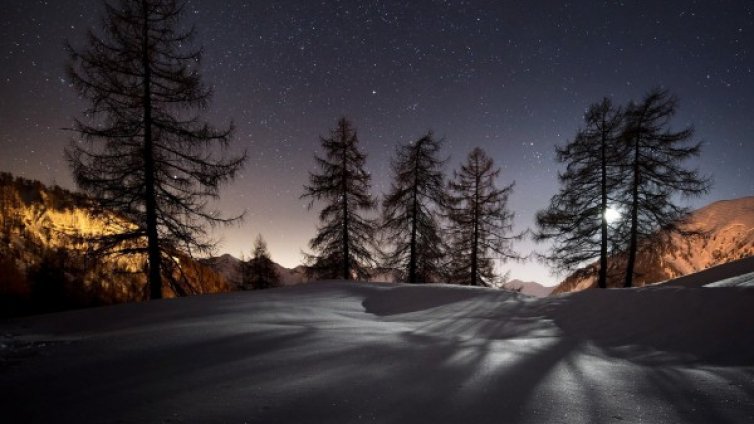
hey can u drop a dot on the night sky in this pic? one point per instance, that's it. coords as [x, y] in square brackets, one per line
[513, 77]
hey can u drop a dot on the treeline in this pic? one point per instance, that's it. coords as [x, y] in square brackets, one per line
[430, 228]
[624, 175]
[143, 151]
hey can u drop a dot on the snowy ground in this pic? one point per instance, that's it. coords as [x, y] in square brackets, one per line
[335, 352]
[738, 273]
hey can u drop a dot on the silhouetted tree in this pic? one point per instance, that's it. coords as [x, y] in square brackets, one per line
[576, 219]
[143, 150]
[259, 271]
[657, 175]
[7, 212]
[410, 209]
[344, 242]
[480, 222]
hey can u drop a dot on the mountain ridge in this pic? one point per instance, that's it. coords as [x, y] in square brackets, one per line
[230, 267]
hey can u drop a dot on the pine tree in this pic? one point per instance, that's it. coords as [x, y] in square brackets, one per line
[259, 271]
[576, 219]
[657, 175]
[143, 150]
[344, 242]
[410, 211]
[480, 222]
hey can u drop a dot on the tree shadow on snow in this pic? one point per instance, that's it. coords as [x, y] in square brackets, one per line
[348, 353]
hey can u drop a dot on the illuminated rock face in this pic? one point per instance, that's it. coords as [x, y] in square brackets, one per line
[47, 227]
[729, 228]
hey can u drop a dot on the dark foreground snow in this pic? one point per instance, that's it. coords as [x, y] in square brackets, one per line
[337, 352]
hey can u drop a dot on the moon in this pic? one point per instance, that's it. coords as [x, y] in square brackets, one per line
[612, 215]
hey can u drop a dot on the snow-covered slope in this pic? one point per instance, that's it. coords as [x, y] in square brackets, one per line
[738, 273]
[355, 352]
[729, 229]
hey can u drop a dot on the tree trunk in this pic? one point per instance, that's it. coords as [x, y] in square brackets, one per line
[414, 214]
[634, 218]
[475, 242]
[153, 243]
[602, 281]
[344, 187]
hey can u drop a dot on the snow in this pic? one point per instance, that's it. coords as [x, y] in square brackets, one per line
[731, 274]
[746, 280]
[388, 353]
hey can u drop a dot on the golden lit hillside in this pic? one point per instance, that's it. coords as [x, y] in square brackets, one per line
[45, 254]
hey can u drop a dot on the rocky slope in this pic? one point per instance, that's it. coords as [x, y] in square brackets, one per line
[729, 235]
[43, 261]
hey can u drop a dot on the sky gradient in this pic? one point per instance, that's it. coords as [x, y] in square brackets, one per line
[513, 77]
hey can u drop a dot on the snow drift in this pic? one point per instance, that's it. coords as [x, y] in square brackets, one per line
[354, 352]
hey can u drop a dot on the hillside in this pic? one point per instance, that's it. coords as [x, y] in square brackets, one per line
[389, 353]
[729, 229]
[738, 273]
[43, 255]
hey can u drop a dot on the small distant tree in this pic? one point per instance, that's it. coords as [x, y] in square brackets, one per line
[480, 222]
[576, 219]
[656, 174]
[6, 212]
[143, 151]
[10, 207]
[344, 244]
[259, 271]
[410, 211]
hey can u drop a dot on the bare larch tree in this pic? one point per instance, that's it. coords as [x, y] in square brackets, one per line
[480, 222]
[143, 150]
[576, 220]
[259, 271]
[411, 211]
[344, 244]
[656, 174]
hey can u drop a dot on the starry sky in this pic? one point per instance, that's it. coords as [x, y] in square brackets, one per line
[513, 77]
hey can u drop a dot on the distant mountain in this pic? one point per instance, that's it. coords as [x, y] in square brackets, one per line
[729, 229]
[43, 260]
[229, 267]
[530, 288]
